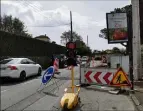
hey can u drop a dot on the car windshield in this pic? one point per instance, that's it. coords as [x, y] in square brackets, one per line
[84, 59]
[9, 61]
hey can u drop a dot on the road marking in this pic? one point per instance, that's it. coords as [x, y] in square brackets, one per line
[33, 80]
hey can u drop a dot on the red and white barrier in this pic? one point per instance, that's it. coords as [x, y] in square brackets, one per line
[56, 65]
[94, 63]
[96, 75]
[99, 77]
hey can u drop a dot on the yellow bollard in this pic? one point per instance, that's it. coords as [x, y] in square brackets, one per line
[72, 78]
[70, 99]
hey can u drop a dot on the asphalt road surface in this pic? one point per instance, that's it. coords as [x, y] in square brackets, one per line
[23, 96]
[19, 95]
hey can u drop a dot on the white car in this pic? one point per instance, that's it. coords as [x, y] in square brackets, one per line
[19, 68]
[84, 60]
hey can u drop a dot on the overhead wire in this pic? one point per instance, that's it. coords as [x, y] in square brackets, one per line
[37, 10]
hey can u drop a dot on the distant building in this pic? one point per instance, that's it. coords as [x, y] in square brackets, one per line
[43, 38]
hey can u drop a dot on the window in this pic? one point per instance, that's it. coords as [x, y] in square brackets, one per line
[9, 61]
[30, 61]
[24, 61]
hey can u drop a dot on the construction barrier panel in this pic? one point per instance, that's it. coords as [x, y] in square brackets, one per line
[96, 75]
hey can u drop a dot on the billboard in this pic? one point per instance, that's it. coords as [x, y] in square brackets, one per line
[117, 30]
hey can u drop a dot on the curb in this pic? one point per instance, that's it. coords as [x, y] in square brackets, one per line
[96, 88]
[136, 102]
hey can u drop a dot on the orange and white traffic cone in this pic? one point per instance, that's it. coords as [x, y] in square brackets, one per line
[69, 67]
[56, 65]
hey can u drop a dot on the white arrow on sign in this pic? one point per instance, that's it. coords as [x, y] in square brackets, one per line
[47, 75]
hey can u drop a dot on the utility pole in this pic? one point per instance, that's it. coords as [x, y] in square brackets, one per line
[87, 40]
[136, 40]
[71, 26]
[130, 47]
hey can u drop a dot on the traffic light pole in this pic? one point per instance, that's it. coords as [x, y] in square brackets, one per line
[71, 26]
[72, 69]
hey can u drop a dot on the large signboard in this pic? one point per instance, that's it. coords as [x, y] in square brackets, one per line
[117, 29]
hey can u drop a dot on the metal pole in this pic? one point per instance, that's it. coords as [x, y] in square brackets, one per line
[72, 73]
[130, 48]
[71, 26]
[87, 40]
[136, 40]
[72, 70]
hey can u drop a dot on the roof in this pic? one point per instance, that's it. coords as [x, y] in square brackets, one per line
[17, 58]
[42, 36]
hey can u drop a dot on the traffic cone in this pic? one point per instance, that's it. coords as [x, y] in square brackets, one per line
[69, 67]
[56, 65]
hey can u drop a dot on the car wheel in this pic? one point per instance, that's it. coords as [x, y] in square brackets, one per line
[22, 76]
[39, 71]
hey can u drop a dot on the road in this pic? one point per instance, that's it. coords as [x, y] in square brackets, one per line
[24, 96]
[18, 96]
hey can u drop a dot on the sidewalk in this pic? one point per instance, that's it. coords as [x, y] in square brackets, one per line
[98, 98]
[92, 98]
[138, 95]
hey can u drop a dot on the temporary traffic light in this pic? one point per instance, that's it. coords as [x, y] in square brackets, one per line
[71, 53]
[71, 45]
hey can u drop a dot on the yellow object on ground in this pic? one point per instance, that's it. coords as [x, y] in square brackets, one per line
[70, 98]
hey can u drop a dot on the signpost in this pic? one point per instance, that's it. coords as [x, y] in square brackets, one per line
[119, 30]
[120, 79]
[47, 76]
[117, 27]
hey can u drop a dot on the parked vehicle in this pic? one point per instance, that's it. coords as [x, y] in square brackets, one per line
[84, 59]
[19, 68]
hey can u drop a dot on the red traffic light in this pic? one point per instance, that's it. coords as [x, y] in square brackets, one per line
[71, 45]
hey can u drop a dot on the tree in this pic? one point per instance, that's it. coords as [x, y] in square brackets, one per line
[116, 50]
[96, 51]
[13, 25]
[82, 49]
[127, 9]
[66, 36]
[53, 42]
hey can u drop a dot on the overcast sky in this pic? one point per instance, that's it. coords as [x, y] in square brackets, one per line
[88, 17]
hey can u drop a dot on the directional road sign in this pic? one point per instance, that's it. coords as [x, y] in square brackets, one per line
[47, 76]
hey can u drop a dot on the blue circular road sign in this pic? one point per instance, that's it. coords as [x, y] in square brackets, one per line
[47, 76]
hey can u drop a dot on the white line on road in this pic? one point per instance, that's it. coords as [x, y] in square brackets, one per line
[33, 80]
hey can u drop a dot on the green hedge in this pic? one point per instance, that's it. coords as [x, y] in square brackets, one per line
[18, 46]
